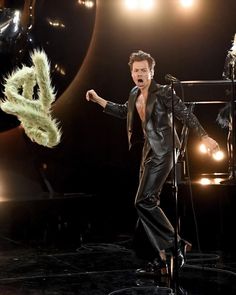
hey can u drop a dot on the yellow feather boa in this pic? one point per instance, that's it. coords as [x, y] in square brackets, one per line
[34, 113]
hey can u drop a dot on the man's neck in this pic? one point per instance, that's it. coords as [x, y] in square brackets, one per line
[144, 92]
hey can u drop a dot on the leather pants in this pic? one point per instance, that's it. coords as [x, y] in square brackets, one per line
[152, 221]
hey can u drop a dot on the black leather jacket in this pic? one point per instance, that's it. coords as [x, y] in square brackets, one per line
[158, 121]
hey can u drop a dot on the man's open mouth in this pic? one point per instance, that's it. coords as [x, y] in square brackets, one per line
[140, 80]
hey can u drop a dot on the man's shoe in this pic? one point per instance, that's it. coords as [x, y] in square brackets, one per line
[181, 258]
[148, 270]
[155, 268]
[161, 267]
[183, 247]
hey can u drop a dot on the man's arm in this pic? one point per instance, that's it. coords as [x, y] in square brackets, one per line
[111, 108]
[187, 117]
[91, 95]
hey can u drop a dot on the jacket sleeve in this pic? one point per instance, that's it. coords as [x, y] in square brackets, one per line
[182, 113]
[116, 110]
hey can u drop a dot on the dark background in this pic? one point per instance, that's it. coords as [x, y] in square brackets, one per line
[86, 185]
[93, 155]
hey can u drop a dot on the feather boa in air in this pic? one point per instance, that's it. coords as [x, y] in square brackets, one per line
[34, 113]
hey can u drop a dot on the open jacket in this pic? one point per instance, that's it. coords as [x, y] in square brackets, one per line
[158, 122]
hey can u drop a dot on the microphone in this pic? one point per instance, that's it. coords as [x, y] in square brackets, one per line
[170, 78]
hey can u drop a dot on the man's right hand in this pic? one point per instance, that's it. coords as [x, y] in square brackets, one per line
[91, 95]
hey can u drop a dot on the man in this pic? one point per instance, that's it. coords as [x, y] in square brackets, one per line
[149, 108]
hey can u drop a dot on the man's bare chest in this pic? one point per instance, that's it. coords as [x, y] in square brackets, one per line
[141, 106]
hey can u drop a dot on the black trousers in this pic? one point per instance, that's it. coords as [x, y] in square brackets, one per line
[152, 222]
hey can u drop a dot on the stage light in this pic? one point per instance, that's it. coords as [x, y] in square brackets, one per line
[139, 4]
[218, 156]
[205, 181]
[86, 3]
[56, 23]
[218, 180]
[203, 148]
[187, 3]
[210, 181]
[60, 70]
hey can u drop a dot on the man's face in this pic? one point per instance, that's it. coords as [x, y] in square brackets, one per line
[141, 74]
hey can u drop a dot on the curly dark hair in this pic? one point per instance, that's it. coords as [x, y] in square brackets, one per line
[140, 56]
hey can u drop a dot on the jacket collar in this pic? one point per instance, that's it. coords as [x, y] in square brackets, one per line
[152, 90]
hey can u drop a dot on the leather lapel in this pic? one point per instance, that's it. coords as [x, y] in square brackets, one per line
[131, 105]
[151, 99]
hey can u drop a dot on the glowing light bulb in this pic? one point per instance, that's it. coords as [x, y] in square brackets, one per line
[203, 148]
[218, 156]
[218, 180]
[187, 3]
[205, 181]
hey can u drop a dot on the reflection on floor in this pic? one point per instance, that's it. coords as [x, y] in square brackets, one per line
[105, 268]
[82, 244]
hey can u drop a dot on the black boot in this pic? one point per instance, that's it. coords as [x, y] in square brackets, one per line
[148, 270]
[183, 247]
[156, 268]
[160, 267]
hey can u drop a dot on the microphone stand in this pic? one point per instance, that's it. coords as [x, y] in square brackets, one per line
[175, 194]
[233, 123]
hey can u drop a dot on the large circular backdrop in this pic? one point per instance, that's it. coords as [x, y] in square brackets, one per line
[63, 29]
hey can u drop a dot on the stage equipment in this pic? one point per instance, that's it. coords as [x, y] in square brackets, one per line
[176, 82]
[226, 117]
[231, 84]
[174, 265]
[218, 156]
[34, 114]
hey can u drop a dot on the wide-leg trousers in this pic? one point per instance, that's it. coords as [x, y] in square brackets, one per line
[152, 221]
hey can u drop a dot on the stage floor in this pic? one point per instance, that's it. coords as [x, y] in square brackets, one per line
[103, 268]
[82, 244]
